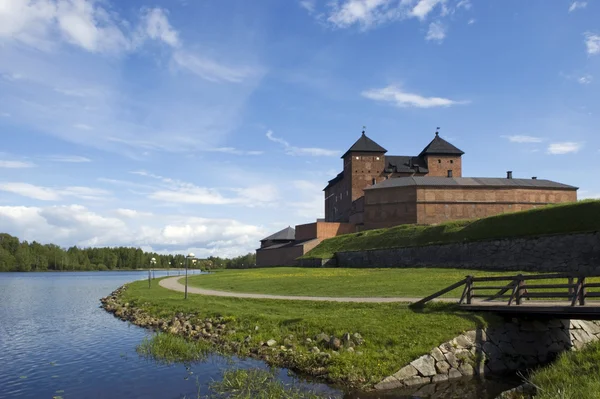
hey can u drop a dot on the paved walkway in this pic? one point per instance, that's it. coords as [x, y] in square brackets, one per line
[172, 283]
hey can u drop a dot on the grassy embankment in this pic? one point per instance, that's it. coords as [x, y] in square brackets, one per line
[339, 282]
[575, 217]
[574, 375]
[393, 334]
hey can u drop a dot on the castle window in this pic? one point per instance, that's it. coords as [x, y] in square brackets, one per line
[451, 161]
[357, 157]
[439, 161]
[374, 181]
[377, 158]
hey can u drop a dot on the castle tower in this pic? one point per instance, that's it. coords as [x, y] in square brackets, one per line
[363, 164]
[442, 158]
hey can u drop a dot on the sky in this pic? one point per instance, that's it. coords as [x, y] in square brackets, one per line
[197, 125]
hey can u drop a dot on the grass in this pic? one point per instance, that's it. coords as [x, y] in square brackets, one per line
[394, 334]
[256, 384]
[574, 375]
[339, 282]
[168, 348]
[582, 216]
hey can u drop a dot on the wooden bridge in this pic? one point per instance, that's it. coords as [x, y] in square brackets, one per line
[556, 295]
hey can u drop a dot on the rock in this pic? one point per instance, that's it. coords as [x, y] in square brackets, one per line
[466, 369]
[248, 339]
[451, 358]
[322, 338]
[314, 349]
[405, 372]
[288, 342]
[283, 348]
[388, 383]
[439, 378]
[335, 343]
[425, 365]
[416, 380]
[271, 342]
[308, 341]
[442, 367]
[208, 326]
[438, 355]
[463, 342]
[346, 339]
[454, 373]
[358, 339]
[255, 328]
[350, 349]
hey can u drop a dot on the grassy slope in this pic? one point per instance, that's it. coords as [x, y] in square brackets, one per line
[338, 282]
[394, 334]
[575, 375]
[563, 218]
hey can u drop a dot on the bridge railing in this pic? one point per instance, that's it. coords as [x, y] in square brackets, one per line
[515, 289]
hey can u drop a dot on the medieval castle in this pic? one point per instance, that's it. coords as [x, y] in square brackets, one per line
[375, 190]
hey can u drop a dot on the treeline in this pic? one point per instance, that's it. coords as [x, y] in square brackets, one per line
[22, 256]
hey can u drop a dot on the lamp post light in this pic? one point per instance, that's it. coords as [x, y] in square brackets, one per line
[190, 256]
[152, 263]
[169, 268]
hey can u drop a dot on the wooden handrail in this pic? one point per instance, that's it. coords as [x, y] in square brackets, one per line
[439, 293]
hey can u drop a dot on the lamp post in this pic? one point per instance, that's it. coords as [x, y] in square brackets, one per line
[187, 259]
[152, 263]
[169, 268]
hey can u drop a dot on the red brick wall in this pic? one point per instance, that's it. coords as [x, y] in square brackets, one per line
[439, 165]
[322, 230]
[426, 205]
[363, 168]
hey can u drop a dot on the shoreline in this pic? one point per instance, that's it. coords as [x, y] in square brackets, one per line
[215, 331]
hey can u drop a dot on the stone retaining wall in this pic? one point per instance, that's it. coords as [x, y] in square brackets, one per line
[573, 253]
[513, 346]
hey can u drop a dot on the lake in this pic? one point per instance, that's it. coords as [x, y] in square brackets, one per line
[56, 341]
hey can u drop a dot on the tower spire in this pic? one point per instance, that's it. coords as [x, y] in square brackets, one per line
[363, 131]
[437, 131]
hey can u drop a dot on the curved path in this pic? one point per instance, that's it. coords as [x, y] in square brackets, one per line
[173, 283]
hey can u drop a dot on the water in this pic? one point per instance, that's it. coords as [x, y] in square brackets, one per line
[55, 340]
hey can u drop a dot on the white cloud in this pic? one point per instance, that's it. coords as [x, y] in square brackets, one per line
[436, 32]
[16, 164]
[234, 151]
[523, 139]
[176, 191]
[592, 43]
[69, 225]
[53, 194]
[400, 98]
[156, 25]
[585, 79]
[82, 126]
[424, 7]
[292, 150]
[471, 21]
[308, 5]
[68, 158]
[564, 148]
[211, 70]
[577, 4]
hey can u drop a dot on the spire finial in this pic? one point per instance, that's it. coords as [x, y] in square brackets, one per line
[437, 131]
[363, 131]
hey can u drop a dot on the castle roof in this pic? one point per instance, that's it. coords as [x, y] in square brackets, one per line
[405, 164]
[439, 146]
[482, 182]
[287, 234]
[365, 144]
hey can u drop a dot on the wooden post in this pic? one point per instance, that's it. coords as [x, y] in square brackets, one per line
[469, 288]
[519, 288]
[571, 290]
[149, 280]
[582, 292]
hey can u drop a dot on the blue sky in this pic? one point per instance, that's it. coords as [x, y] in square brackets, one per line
[207, 125]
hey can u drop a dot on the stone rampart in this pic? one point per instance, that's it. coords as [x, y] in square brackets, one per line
[554, 253]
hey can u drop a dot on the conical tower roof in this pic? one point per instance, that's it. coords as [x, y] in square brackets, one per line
[365, 144]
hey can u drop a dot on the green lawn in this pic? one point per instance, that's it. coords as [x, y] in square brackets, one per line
[394, 334]
[339, 282]
[582, 216]
[575, 375]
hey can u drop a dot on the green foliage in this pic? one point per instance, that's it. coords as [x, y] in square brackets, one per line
[256, 384]
[339, 282]
[168, 348]
[582, 216]
[394, 334]
[574, 375]
[24, 257]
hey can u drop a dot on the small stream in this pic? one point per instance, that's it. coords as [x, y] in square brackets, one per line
[55, 341]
